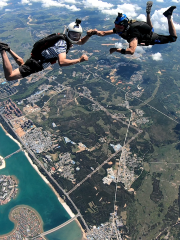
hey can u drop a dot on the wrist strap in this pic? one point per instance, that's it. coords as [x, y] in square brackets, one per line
[123, 51]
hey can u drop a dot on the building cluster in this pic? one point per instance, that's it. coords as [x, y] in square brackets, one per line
[108, 230]
[10, 110]
[124, 169]
[134, 94]
[60, 88]
[137, 118]
[28, 225]
[96, 107]
[124, 104]
[126, 165]
[119, 115]
[111, 176]
[7, 89]
[65, 166]
[87, 92]
[27, 124]
[8, 189]
[137, 77]
[38, 141]
[36, 97]
[125, 64]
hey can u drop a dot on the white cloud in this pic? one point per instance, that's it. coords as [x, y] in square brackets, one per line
[160, 22]
[97, 4]
[128, 9]
[53, 3]
[176, 1]
[118, 45]
[159, 0]
[157, 56]
[72, 8]
[140, 50]
[68, 1]
[3, 3]
[141, 17]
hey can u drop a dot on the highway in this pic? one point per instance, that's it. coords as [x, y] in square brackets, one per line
[42, 166]
[100, 166]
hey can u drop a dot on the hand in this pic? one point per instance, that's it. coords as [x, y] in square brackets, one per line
[112, 50]
[99, 33]
[91, 32]
[83, 58]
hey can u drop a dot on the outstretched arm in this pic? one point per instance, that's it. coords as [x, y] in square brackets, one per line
[17, 58]
[86, 38]
[104, 33]
[63, 61]
[131, 50]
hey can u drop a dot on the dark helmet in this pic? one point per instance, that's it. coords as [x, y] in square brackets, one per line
[122, 20]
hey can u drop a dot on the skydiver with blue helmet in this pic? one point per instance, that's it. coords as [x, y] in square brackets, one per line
[139, 32]
[49, 51]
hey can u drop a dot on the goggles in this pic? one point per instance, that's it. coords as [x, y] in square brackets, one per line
[118, 26]
[121, 20]
[74, 36]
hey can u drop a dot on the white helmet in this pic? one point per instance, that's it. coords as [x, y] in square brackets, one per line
[74, 31]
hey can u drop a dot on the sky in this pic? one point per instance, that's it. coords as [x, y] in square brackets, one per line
[111, 8]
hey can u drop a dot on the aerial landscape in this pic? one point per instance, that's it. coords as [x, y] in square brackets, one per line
[90, 151]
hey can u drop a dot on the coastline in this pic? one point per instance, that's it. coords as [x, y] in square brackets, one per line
[18, 143]
[16, 223]
[66, 207]
[3, 163]
[82, 230]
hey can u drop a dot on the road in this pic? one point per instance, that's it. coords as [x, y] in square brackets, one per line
[107, 112]
[100, 166]
[58, 227]
[32, 154]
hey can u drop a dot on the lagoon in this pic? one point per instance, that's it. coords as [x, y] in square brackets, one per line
[33, 191]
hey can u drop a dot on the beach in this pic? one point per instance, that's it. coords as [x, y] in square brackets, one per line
[66, 207]
[3, 163]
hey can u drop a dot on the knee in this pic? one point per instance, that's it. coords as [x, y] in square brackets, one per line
[173, 38]
[8, 78]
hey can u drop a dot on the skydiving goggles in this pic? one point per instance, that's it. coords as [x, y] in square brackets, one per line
[75, 36]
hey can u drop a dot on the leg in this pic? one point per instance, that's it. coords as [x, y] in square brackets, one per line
[8, 71]
[172, 30]
[148, 10]
[149, 20]
[168, 14]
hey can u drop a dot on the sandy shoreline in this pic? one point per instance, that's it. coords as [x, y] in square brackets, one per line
[66, 207]
[3, 163]
[10, 136]
[83, 232]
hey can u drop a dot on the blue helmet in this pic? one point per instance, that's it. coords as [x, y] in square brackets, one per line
[122, 20]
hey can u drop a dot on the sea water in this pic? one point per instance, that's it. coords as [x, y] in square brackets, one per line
[34, 192]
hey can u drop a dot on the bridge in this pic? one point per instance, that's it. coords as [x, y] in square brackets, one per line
[13, 153]
[58, 227]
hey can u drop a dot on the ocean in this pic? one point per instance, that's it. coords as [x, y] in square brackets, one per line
[34, 192]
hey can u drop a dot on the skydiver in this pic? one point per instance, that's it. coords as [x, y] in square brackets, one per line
[139, 32]
[57, 51]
